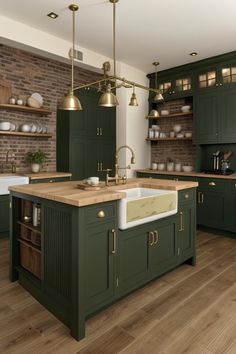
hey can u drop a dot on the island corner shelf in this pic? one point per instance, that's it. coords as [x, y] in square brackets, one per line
[23, 134]
[14, 107]
[167, 139]
[173, 115]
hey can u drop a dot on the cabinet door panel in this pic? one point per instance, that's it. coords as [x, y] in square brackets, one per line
[99, 265]
[227, 121]
[186, 231]
[163, 254]
[133, 258]
[211, 211]
[205, 119]
[77, 158]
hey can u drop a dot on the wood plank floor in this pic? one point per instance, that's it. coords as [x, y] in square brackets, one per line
[191, 310]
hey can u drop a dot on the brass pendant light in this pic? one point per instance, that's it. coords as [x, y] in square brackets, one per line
[71, 102]
[158, 97]
[133, 99]
[108, 99]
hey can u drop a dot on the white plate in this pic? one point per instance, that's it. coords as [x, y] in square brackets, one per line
[37, 97]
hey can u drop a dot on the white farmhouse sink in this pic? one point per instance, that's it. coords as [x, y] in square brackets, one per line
[143, 205]
[11, 180]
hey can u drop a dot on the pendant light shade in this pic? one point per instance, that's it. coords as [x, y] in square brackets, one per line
[70, 102]
[133, 99]
[158, 97]
[108, 99]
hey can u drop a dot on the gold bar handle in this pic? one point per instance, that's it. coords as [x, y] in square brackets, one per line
[100, 131]
[181, 224]
[98, 167]
[101, 167]
[151, 238]
[202, 198]
[156, 237]
[97, 131]
[211, 184]
[113, 231]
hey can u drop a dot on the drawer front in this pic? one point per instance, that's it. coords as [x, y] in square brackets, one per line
[100, 212]
[186, 196]
[50, 180]
[212, 184]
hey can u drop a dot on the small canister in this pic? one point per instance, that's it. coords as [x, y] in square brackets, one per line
[151, 133]
[154, 166]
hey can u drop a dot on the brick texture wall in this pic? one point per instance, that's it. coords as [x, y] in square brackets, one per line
[29, 73]
[180, 150]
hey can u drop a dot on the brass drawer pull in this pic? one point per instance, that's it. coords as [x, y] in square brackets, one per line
[51, 181]
[181, 221]
[211, 184]
[101, 214]
[98, 131]
[186, 196]
[151, 238]
[175, 179]
[114, 241]
[98, 167]
[156, 237]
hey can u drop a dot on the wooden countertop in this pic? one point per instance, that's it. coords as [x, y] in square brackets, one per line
[188, 174]
[68, 192]
[41, 175]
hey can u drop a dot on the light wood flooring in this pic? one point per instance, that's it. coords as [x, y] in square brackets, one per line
[191, 310]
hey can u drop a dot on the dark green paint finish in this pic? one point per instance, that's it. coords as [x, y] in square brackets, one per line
[4, 213]
[50, 180]
[86, 140]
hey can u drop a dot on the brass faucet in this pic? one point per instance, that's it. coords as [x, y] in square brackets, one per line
[13, 163]
[118, 178]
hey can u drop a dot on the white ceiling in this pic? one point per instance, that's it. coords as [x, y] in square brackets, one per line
[147, 30]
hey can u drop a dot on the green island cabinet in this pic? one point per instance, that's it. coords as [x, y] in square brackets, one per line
[76, 262]
[86, 140]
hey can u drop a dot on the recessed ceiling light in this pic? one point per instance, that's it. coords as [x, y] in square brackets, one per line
[193, 54]
[52, 15]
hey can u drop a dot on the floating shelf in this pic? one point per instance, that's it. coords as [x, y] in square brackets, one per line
[171, 115]
[28, 135]
[15, 107]
[168, 139]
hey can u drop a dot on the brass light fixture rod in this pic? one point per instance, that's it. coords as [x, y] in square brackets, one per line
[73, 8]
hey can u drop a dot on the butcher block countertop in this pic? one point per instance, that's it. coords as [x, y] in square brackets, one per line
[69, 193]
[188, 174]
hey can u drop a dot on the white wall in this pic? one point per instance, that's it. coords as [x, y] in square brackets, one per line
[131, 123]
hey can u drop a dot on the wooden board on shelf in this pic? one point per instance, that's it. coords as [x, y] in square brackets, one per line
[166, 139]
[25, 108]
[171, 115]
[32, 135]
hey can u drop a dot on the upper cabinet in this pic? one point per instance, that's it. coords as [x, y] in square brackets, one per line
[176, 85]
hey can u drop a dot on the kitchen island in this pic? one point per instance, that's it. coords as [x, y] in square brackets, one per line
[73, 258]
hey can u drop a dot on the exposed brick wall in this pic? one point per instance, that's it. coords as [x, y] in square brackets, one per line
[29, 73]
[180, 150]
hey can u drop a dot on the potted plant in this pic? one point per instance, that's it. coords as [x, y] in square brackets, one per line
[35, 159]
[170, 164]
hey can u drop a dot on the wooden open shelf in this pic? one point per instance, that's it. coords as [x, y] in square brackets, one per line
[30, 135]
[15, 107]
[171, 115]
[29, 226]
[168, 139]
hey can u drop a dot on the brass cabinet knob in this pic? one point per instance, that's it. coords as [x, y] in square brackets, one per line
[101, 214]
[186, 196]
[211, 184]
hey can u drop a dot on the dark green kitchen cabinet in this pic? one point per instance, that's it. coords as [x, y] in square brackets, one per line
[86, 140]
[49, 180]
[162, 246]
[186, 224]
[214, 116]
[4, 213]
[133, 258]
[99, 264]
[211, 203]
